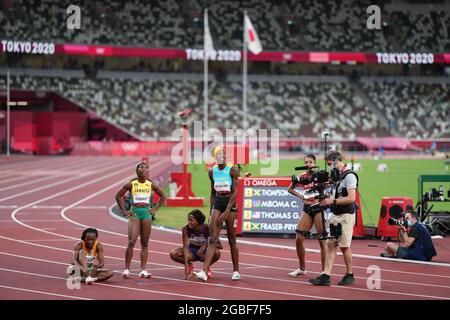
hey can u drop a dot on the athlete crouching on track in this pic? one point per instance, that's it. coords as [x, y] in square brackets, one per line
[140, 216]
[306, 221]
[195, 241]
[224, 185]
[89, 246]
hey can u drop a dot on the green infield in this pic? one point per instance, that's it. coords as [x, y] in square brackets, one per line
[401, 179]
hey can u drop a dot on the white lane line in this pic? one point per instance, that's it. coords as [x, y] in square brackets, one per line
[49, 240]
[46, 207]
[65, 181]
[91, 207]
[164, 229]
[98, 283]
[62, 214]
[33, 220]
[258, 277]
[254, 276]
[186, 281]
[43, 292]
[115, 233]
[46, 177]
[8, 207]
[50, 166]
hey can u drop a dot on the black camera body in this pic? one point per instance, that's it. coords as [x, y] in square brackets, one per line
[398, 222]
[316, 177]
[336, 230]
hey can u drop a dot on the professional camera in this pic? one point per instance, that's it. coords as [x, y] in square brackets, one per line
[316, 177]
[398, 222]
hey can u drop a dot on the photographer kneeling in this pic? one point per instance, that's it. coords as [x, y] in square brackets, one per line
[415, 244]
[342, 221]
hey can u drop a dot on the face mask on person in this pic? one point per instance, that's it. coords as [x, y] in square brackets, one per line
[410, 223]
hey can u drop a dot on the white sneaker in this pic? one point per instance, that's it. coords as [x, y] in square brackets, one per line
[71, 269]
[144, 274]
[297, 272]
[236, 276]
[201, 275]
[126, 274]
[90, 280]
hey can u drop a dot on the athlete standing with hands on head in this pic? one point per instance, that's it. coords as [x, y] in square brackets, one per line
[140, 215]
[224, 187]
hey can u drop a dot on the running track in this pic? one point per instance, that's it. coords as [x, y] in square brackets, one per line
[45, 203]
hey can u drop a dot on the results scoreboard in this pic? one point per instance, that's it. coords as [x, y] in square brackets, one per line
[265, 206]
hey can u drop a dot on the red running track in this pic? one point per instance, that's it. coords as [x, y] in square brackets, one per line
[42, 217]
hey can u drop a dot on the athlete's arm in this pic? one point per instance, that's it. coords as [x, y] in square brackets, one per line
[76, 257]
[213, 191]
[234, 177]
[119, 199]
[162, 198]
[185, 252]
[100, 256]
[292, 191]
[203, 248]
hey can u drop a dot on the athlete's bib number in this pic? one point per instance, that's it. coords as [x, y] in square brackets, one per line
[222, 186]
[141, 198]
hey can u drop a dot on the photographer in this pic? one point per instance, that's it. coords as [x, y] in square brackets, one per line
[307, 219]
[343, 219]
[415, 244]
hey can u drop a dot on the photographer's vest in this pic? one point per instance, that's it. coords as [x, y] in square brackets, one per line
[349, 208]
[422, 248]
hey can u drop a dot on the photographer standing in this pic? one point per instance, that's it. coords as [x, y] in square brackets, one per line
[344, 209]
[307, 219]
[414, 245]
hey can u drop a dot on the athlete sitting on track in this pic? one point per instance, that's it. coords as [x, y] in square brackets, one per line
[89, 248]
[195, 241]
[224, 186]
[140, 216]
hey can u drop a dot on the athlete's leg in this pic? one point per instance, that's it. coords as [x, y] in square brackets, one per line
[304, 225]
[133, 233]
[216, 256]
[214, 232]
[231, 234]
[103, 275]
[323, 243]
[177, 255]
[145, 230]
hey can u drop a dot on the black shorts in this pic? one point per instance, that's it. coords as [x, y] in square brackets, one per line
[306, 208]
[194, 251]
[221, 204]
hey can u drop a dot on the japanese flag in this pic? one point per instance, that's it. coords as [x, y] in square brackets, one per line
[208, 43]
[253, 43]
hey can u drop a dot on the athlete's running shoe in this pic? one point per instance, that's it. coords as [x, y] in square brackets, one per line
[190, 268]
[297, 272]
[209, 274]
[90, 280]
[144, 274]
[126, 274]
[236, 276]
[201, 275]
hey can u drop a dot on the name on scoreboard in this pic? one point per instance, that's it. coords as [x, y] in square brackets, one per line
[267, 207]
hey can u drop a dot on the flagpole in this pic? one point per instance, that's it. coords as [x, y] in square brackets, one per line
[8, 115]
[205, 74]
[244, 79]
